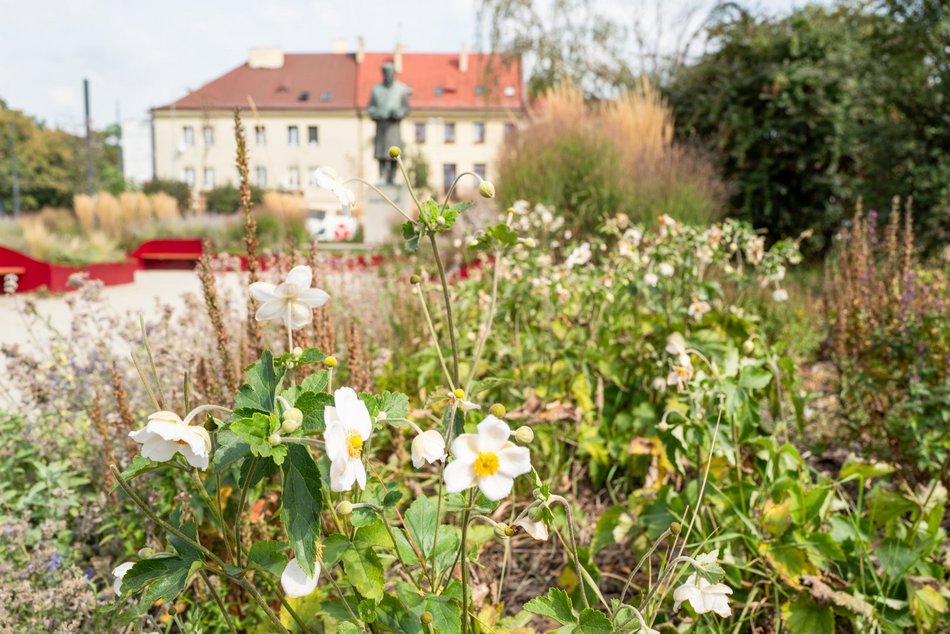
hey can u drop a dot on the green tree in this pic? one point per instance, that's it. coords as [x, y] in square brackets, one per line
[810, 112]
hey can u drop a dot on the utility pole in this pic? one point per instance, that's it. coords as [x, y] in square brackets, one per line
[13, 170]
[90, 185]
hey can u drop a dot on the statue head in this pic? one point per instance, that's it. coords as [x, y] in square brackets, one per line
[389, 73]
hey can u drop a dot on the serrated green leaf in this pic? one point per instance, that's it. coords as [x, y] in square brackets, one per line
[364, 571]
[313, 406]
[301, 505]
[269, 555]
[753, 378]
[262, 381]
[593, 622]
[333, 548]
[804, 616]
[420, 521]
[556, 605]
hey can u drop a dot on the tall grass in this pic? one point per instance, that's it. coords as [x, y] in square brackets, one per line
[285, 207]
[593, 160]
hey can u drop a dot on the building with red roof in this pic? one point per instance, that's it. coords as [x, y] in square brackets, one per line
[307, 110]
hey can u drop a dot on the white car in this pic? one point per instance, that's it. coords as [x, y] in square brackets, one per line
[331, 227]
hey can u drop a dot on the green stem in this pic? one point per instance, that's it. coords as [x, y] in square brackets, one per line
[464, 563]
[251, 590]
[240, 508]
[155, 518]
[214, 508]
[218, 602]
[435, 337]
[488, 324]
[448, 306]
[151, 361]
[293, 614]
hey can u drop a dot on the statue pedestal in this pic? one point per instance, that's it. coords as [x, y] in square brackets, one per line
[379, 218]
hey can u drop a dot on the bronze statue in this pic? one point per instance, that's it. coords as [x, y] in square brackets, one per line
[388, 105]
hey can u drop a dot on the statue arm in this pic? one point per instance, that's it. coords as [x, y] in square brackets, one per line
[373, 109]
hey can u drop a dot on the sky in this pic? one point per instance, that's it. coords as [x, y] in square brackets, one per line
[138, 54]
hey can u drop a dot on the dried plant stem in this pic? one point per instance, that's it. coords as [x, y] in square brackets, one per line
[210, 292]
[254, 335]
[99, 420]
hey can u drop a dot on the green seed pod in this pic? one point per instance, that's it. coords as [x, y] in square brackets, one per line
[394, 152]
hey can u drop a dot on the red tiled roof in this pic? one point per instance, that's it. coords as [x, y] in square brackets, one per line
[328, 81]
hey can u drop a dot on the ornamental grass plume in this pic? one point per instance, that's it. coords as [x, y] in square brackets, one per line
[122, 401]
[85, 208]
[357, 359]
[109, 214]
[251, 245]
[210, 292]
[108, 455]
[165, 207]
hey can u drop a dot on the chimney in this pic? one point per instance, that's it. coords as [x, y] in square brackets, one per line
[397, 58]
[339, 47]
[360, 49]
[463, 59]
[266, 58]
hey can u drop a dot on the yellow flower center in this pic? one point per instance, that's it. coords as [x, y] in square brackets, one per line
[682, 371]
[486, 464]
[354, 445]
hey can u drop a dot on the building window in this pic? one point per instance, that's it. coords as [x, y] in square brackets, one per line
[450, 133]
[293, 135]
[188, 136]
[260, 175]
[509, 131]
[478, 129]
[479, 169]
[293, 178]
[208, 133]
[260, 135]
[420, 133]
[209, 177]
[190, 176]
[313, 135]
[449, 173]
[313, 176]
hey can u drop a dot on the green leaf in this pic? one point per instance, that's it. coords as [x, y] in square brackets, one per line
[146, 571]
[804, 616]
[254, 431]
[420, 520]
[313, 406]
[446, 613]
[315, 382]
[333, 548]
[394, 404]
[896, 557]
[262, 381]
[301, 505]
[411, 233]
[593, 622]
[269, 555]
[754, 378]
[364, 571]
[230, 448]
[139, 465]
[556, 606]
[854, 466]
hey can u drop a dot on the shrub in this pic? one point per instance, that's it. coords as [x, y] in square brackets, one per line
[592, 160]
[179, 190]
[226, 199]
[892, 343]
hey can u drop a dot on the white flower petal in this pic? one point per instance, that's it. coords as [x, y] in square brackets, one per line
[465, 447]
[427, 447]
[300, 314]
[301, 275]
[536, 529]
[313, 297]
[514, 461]
[492, 434]
[352, 411]
[271, 309]
[295, 581]
[495, 487]
[459, 475]
[342, 474]
[262, 291]
[119, 574]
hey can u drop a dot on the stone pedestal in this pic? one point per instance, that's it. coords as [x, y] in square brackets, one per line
[379, 218]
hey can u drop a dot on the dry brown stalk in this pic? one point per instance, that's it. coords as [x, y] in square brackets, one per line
[122, 404]
[210, 292]
[108, 455]
[251, 245]
[357, 360]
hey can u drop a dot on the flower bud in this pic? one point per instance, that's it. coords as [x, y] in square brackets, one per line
[530, 243]
[274, 438]
[172, 610]
[330, 362]
[459, 393]
[503, 531]
[676, 528]
[414, 279]
[345, 507]
[145, 553]
[426, 617]
[524, 434]
[298, 352]
[512, 211]
[497, 410]
[394, 152]
[486, 189]
[382, 415]
[748, 346]
[293, 418]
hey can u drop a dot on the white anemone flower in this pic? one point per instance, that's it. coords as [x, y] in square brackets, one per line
[427, 447]
[535, 528]
[651, 279]
[119, 574]
[666, 269]
[579, 256]
[486, 459]
[780, 295]
[682, 370]
[703, 596]
[166, 434]
[698, 308]
[295, 581]
[293, 300]
[348, 428]
[327, 178]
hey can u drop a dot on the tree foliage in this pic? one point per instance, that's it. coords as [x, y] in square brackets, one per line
[811, 112]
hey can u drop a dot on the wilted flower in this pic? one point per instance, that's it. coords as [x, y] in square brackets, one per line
[487, 459]
[348, 428]
[579, 256]
[327, 178]
[755, 249]
[293, 300]
[166, 434]
[703, 596]
[535, 528]
[119, 574]
[427, 447]
[296, 583]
